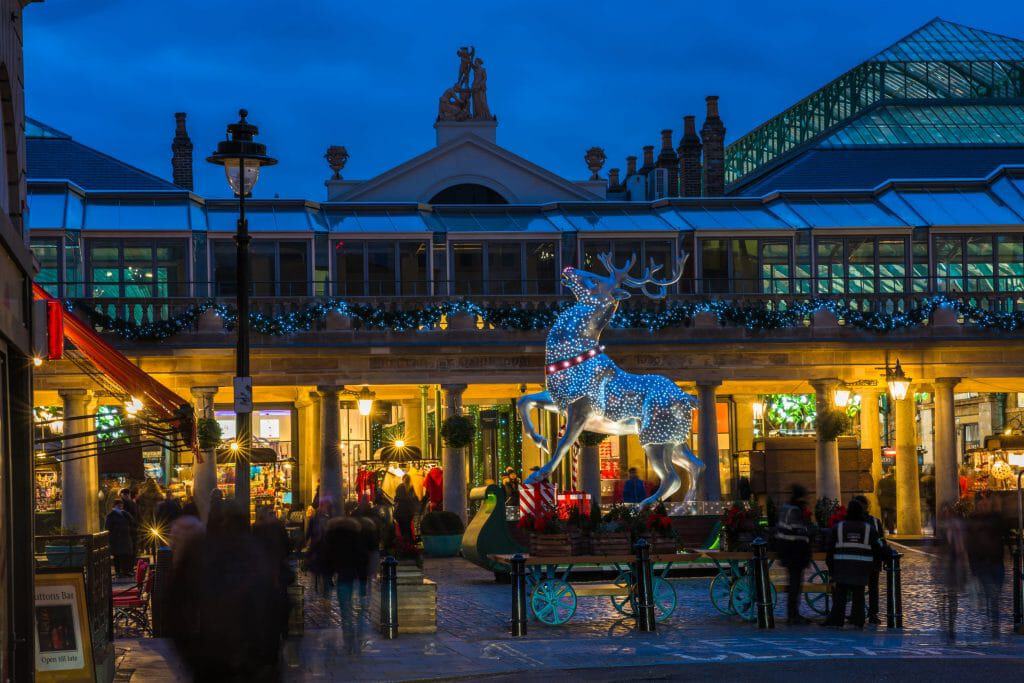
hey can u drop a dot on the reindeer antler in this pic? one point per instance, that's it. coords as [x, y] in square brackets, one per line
[618, 274]
[647, 278]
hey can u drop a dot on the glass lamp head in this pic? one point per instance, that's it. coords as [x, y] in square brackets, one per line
[898, 382]
[241, 156]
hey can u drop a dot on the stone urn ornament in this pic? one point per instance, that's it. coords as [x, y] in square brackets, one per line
[336, 157]
[595, 158]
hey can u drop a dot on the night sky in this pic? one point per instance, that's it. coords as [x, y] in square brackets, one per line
[562, 76]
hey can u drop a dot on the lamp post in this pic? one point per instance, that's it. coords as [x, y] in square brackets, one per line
[242, 159]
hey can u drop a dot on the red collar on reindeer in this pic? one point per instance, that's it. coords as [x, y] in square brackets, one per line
[558, 366]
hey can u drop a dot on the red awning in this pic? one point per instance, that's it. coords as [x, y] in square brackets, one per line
[157, 398]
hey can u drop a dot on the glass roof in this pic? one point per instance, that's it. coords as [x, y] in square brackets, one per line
[376, 221]
[947, 124]
[824, 213]
[261, 217]
[959, 208]
[617, 220]
[939, 61]
[725, 217]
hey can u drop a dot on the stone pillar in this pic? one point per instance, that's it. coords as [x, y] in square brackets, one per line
[204, 474]
[744, 422]
[309, 446]
[331, 486]
[413, 422]
[79, 473]
[424, 437]
[908, 473]
[870, 439]
[590, 472]
[707, 439]
[454, 459]
[947, 481]
[826, 469]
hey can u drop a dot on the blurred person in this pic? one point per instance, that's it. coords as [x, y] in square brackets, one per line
[986, 535]
[346, 557]
[272, 537]
[953, 565]
[886, 492]
[634, 490]
[315, 561]
[118, 526]
[876, 568]
[510, 482]
[184, 529]
[167, 510]
[407, 505]
[926, 486]
[794, 548]
[215, 514]
[129, 506]
[852, 551]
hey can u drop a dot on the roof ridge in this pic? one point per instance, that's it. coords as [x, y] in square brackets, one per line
[973, 32]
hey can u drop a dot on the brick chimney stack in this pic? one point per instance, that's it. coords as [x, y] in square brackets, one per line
[668, 160]
[630, 166]
[648, 160]
[613, 179]
[713, 134]
[689, 159]
[181, 154]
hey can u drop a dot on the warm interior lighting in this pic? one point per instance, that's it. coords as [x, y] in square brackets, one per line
[1015, 459]
[364, 400]
[133, 406]
[758, 410]
[841, 397]
[399, 443]
[37, 361]
[898, 382]
[234, 446]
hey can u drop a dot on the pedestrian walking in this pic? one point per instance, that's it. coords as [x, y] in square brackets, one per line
[315, 560]
[129, 506]
[118, 526]
[793, 541]
[852, 551]
[985, 547]
[345, 555]
[876, 568]
[407, 505]
[953, 566]
[634, 490]
[886, 492]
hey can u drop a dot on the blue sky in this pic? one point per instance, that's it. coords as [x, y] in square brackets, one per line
[562, 76]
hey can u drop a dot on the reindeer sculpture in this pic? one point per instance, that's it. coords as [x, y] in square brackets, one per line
[595, 394]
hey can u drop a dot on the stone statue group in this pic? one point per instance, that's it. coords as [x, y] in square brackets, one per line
[466, 101]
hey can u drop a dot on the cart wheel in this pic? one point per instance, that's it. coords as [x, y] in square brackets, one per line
[623, 603]
[553, 602]
[719, 592]
[821, 603]
[664, 599]
[744, 597]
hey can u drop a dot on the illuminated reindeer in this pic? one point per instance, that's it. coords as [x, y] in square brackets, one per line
[595, 394]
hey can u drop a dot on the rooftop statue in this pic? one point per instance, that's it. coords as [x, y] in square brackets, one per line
[466, 100]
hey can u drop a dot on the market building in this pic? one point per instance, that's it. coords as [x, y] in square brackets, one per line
[880, 219]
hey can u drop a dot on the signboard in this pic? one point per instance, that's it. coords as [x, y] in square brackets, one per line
[243, 394]
[62, 637]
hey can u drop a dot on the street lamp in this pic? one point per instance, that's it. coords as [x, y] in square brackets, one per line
[898, 381]
[841, 397]
[364, 399]
[242, 159]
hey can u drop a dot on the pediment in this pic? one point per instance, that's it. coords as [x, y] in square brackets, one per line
[468, 159]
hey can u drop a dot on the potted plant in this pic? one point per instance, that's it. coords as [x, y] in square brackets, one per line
[441, 531]
[833, 423]
[64, 550]
[208, 432]
[548, 536]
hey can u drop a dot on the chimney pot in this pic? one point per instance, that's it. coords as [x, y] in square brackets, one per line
[713, 135]
[648, 159]
[666, 140]
[613, 178]
[181, 154]
[630, 165]
[712, 101]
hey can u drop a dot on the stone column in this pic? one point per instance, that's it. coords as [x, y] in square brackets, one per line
[744, 422]
[869, 439]
[424, 437]
[826, 469]
[454, 459]
[204, 474]
[947, 482]
[707, 439]
[413, 422]
[79, 473]
[908, 473]
[309, 445]
[590, 472]
[331, 486]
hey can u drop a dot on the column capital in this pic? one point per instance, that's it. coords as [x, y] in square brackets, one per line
[708, 383]
[946, 381]
[453, 388]
[824, 384]
[73, 392]
[204, 392]
[327, 390]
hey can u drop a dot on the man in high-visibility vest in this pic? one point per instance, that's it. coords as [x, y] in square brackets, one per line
[876, 568]
[793, 541]
[852, 551]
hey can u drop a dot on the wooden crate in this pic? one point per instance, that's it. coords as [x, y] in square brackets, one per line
[611, 544]
[550, 545]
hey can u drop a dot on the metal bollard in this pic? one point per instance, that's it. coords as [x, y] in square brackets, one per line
[644, 588]
[518, 595]
[763, 596]
[894, 591]
[389, 597]
[1018, 589]
[161, 576]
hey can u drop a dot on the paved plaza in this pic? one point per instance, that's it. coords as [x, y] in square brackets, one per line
[473, 639]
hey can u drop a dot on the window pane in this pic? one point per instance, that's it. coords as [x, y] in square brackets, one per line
[591, 250]
[949, 267]
[744, 265]
[892, 268]
[775, 267]
[348, 268]
[293, 274]
[261, 267]
[830, 267]
[714, 265]
[413, 267]
[467, 268]
[47, 251]
[541, 268]
[504, 268]
[1010, 254]
[861, 272]
[922, 276]
[979, 264]
[380, 263]
[224, 272]
[661, 252]
[45, 210]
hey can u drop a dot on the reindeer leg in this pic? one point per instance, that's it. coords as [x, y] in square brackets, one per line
[525, 405]
[576, 417]
[660, 457]
[694, 466]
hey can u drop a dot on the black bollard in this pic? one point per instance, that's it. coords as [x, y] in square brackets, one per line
[894, 591]
[1018, 589]
[158, 601]
[389, 597]
[518, 595]
[762, 589]
[644, 588]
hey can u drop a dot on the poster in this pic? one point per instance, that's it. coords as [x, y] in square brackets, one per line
[63, 647]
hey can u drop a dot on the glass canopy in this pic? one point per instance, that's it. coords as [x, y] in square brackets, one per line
[947, 124]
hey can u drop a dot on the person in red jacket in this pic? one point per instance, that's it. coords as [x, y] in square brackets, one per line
[434, 485]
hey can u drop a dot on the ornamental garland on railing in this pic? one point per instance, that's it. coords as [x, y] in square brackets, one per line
[512, 317]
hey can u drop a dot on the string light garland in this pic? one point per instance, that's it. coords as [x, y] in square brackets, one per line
[762, 316]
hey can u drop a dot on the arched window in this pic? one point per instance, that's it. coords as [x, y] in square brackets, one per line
[468, 193]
